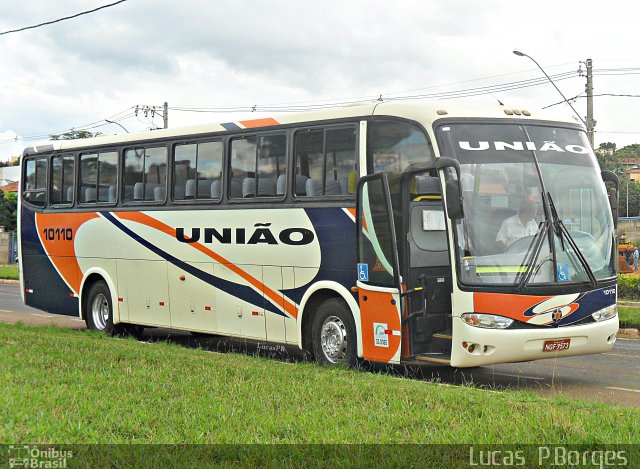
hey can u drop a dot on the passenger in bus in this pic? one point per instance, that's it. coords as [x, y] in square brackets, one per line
[518, 226]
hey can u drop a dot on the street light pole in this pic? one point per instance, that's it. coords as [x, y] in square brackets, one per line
[522, 54]
[627, 214]
[116, 123]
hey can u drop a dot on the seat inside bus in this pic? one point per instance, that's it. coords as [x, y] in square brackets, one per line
[313, 187]
[148, 191]
[216, 189]
[266, 187]
[300, 189]
[203, 191]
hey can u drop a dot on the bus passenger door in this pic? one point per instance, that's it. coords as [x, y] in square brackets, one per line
[427, 314]
[378, 274]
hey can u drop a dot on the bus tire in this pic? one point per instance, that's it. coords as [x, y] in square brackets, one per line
[333, 334]
[99, 309]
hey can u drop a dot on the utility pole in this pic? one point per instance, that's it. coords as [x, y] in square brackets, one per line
[165, 116]
[591, 123]
[153, 110]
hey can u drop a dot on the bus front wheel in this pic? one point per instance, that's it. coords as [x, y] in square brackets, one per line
[333, 334]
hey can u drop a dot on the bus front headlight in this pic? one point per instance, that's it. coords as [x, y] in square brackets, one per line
[487, 321]
[605, 313]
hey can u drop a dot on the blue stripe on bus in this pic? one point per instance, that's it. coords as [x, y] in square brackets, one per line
[230, 126]
[245, 293]
[40, 275]
[335, 232]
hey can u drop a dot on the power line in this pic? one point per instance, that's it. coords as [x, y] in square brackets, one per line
[61, 19]
[317, 105]
[301, 107]
[600, 94]
[118, 117]
[306, 106]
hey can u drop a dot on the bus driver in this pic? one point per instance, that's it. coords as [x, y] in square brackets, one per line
[518, 226]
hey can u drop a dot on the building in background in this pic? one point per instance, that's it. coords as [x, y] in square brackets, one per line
[9, 175]
[634, 174]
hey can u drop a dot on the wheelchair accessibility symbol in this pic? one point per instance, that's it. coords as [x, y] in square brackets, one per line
[363, 272]
[563, 272]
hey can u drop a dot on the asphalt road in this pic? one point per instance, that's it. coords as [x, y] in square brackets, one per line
[610, 377]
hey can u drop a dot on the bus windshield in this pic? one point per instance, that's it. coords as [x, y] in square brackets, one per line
[535, 208]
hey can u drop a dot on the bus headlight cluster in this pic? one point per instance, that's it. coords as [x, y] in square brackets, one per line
[605, 313]
[487, 321]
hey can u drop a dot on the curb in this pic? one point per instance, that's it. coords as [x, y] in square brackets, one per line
[9, 280]
[635, 304]
[629, 332]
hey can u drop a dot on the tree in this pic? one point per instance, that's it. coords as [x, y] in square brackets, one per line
[634, 197]
[607, 146]
[608, 161]
[8, 210]
[630, 151]
[74, 134]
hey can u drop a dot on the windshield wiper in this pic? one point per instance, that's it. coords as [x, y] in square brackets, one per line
[531, 256]
[561, 231]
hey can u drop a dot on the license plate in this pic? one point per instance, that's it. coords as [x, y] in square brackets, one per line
[556, 345]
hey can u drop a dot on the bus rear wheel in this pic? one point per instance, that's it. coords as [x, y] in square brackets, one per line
[99, 313]
[99, 309]
[333, 334]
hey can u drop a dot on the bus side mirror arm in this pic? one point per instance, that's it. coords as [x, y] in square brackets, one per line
[452, 188]
[609, 176]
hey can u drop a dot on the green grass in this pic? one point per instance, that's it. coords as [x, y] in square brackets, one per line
[629, 316]
[9, 272]
[73, 387]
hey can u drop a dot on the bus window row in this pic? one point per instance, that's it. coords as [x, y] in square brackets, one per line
[324, 162]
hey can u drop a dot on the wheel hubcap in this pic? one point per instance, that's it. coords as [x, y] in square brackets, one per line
[100, 311]
[333, 339]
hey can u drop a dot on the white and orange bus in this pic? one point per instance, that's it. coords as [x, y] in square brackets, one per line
[374, 231]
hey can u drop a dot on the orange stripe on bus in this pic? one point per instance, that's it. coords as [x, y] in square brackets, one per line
[57, 233]
[266, 122]
[508, 305]
[274, 296]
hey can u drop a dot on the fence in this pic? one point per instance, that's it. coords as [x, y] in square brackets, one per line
[8, 247]
[13, 248]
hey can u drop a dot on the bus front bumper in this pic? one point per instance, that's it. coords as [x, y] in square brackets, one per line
[475, 346]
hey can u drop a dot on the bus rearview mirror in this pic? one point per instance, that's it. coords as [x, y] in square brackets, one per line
[454, 200]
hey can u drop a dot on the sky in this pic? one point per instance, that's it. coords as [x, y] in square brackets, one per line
[279, 55]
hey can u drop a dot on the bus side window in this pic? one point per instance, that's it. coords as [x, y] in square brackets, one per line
[271, 165]
[394, 146]
[35, 185]
[242, 167]
[62, 179]
[145, 174]
[98, 177]
[197, 169]
[326, 162]
[258, 166]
